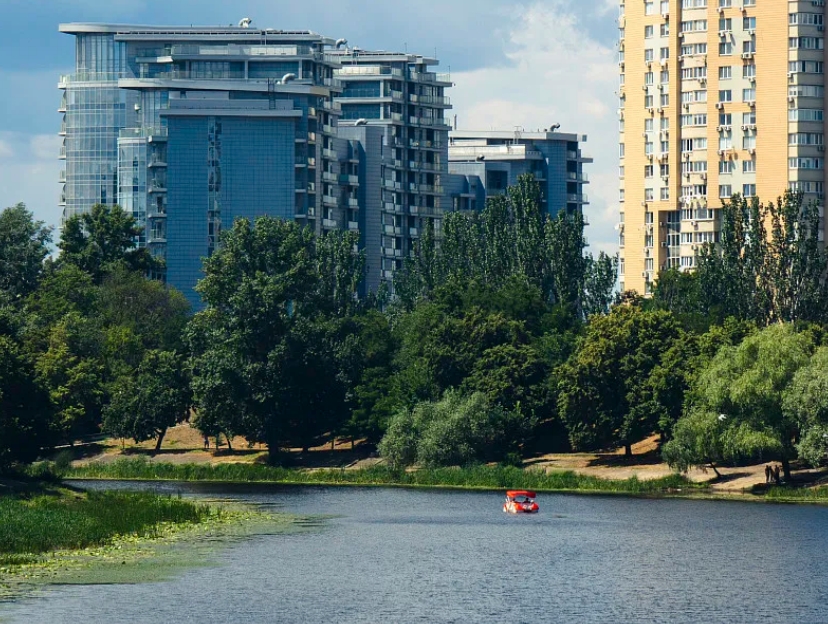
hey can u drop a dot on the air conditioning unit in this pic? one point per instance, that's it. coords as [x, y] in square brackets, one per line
[645, 135]
[643, 87]
[751, 78]
[820, 27]
[694, 246]
[719, 128]
[703, 176]
[722, 33]
[720, 105]
[751, 151]
[661, 87]
[744, 127]
[750, 32]
[747, 55]
[644, 274]
[663, 243]
[644, 204]
[751, 103]
[721, 9]
[650, 109]
[820, 148]
[693, 223]
[703, 81]
[660, 110]
[686, 106]
[721, 152]
[791, 98]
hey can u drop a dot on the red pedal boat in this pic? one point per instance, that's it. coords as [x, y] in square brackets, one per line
[520, 501]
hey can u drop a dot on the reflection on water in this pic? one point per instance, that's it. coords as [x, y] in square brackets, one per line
[394, 555]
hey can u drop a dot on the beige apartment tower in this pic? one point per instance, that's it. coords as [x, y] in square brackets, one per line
[716, 97]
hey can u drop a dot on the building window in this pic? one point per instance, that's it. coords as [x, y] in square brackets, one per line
[725, 191]
[749, 190]
[725, 95]
[648, 32]
[665, 193]
[725, 72]
[648, 171]
[648, 194]
[748, 166]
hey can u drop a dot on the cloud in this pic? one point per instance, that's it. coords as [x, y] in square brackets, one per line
[557, 73]
[6, 150]
[45, 146]
[31, 176]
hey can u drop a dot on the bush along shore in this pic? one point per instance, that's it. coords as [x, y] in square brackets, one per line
[57, 535]
[475, 477]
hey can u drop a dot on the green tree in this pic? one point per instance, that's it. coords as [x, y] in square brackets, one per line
[105, 236]
[747, 384]
[25, 409]
[72, 371]
[24, 245]
[600, 384]
[271, 307]
[154, 312]
[150, 401]
[457, 430]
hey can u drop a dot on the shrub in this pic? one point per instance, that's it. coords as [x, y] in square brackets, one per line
[456, 431]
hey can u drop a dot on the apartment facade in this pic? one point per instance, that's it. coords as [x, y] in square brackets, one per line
[491, 161]
[401, 94]
[716, 97]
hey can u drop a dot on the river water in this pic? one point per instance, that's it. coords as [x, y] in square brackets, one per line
[396, 555]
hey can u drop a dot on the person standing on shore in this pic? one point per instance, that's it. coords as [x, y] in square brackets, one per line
[768, 473]
[776, 476]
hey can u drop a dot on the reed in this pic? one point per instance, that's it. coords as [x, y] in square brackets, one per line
[50, 522]
[481, 477]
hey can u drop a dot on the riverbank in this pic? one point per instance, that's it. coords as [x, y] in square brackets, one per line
[487, 477]
[495, 477]
[51, 535]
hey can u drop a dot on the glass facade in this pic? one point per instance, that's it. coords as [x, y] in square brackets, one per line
[95, 110]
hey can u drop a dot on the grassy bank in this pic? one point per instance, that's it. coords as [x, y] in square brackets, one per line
[798, 495]
[481, 477]
[73, 521]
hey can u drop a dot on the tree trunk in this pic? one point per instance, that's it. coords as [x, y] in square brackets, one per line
[160, 440]
[627, 449]
[333, 443]
[716, 472]
[786, 470]
[229, 443]
[352, 444]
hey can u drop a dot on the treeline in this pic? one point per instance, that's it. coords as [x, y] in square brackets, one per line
[501, 340]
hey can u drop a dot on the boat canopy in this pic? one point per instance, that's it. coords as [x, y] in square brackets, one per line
[516, 493]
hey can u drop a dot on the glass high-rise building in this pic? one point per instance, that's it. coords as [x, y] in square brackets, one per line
[401, 95]
[190, 128]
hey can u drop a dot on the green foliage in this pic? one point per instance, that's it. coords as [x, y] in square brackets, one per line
[511, 239]
[48, 523]
[146, 403]
[455, 431]
[98, 240]
[813, 447]
[746, 386]
[762, 275]
[270, 353]
[599, 386]
[24, 245]
[25, 411]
